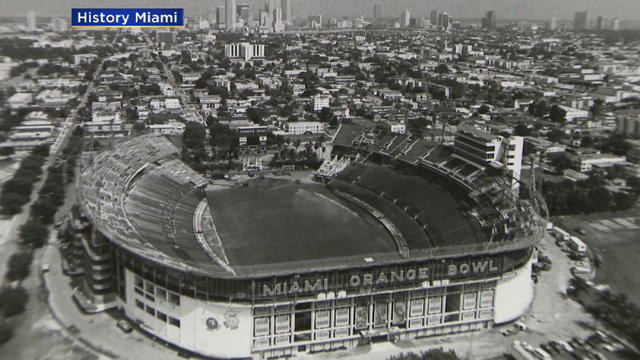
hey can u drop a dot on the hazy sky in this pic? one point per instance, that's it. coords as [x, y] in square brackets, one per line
[505, 9]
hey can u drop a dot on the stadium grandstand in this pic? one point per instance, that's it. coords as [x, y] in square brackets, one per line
[404, 238]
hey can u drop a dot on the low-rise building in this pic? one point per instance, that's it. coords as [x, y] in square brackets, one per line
[304, 127]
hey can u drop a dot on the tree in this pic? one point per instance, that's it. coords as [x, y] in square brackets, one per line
[193, 151]
[13, 301]
[522, 130]
[442, 69]
[433, 354]
[44, 211]
[561, 163]
[557, 114]
[484, 109]
[555, 135]
[539, 108]
[616, 144]
[12, 202]
[33, 233]
[254, 115]
[19, 266]
[326, 114]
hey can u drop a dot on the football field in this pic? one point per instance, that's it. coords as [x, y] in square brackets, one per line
[272, 221]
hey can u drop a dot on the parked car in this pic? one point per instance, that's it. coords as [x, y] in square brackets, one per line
[124, 326]
[508, 332]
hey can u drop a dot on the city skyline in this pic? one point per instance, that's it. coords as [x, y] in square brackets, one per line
[461, 9]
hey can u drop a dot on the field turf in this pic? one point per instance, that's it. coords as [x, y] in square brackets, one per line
[273, 221]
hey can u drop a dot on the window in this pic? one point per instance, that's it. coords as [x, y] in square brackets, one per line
[173, 321]
[342, 316]
[161, 293]
[151, 311]
[161, 316]
[261, 326]
[138, 291]
[174, 298]
[138, 282]
[435, 305]
[139, 304]
[282, 324]
[149, 288]
[322, 319]
[149, 297]
[417, 307]
[469, 301]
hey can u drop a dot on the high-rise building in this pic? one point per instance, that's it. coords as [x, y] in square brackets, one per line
[59, 25]
[377, 11]
[243, 12]
[581, 20]
[166, 37]
[220, 17]
[406, 18]
[615, 24]
[278, 25]
[489, 20]
[315, 21]
[601, 23]
[230, 14]
[31, 21]
[444, 21]
[263, 18]
[286, 11]
[552, 24]
[434, 17]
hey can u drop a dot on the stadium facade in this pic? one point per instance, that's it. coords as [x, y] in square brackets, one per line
[418, 249]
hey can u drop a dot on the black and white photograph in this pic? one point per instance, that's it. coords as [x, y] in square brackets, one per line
[320, 179]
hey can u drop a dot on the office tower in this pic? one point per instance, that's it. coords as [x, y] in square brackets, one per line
[406, 18]
[377, 11]
[444, 21]
[220, 16]
[286, 11]
[166, 37]
[243, 13]
[434, 17]
[315, 21]
[278, 25]
[489, 20]
[31, 21]
[601, 23]
[615, 24]
[581, 20]
[552, 24]
[59, 25]
[263, 18]
[230, 14]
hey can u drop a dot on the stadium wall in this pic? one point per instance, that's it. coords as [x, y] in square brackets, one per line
[514, 294]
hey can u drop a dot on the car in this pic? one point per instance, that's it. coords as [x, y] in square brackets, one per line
[520, 326]
[45, 268]
[547, 347]
[124, 326]
[565, 345]
[508, 332]
[613, 347]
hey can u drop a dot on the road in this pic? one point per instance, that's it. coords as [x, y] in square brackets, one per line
[36, 325]
[190, 112]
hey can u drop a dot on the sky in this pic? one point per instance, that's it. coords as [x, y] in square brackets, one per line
[464, 9]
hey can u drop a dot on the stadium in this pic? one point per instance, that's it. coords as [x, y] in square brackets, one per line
[402, 239]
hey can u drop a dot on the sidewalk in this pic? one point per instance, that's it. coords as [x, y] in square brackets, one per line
[98, 331]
